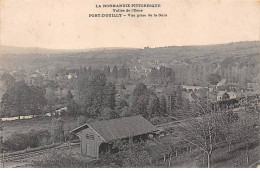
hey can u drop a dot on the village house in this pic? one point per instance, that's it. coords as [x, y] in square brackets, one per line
[92, 135]
[195, 88]
[230, 95]
[71, 75]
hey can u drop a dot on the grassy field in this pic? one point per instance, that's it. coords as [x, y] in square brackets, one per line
[221, 158]
[40, 123]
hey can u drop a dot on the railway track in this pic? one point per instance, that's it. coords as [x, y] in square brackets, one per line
[173, 124]
[28, 155]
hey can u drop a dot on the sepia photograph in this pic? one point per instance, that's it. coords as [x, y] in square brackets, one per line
[129, 83]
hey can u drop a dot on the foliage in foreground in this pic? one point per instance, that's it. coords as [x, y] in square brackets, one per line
[132, 155]
[32, 139]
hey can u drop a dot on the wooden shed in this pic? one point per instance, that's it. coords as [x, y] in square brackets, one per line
[94, 133]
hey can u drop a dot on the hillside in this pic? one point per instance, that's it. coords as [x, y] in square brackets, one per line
[188, 53]
[216, 57]
[206, 53]
[36, 50]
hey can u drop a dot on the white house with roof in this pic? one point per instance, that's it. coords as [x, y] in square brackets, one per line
[231, 95]
[71, 75]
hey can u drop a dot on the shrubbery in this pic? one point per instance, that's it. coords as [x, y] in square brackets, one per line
[32, 139]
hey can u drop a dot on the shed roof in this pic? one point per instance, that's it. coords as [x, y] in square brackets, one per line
[119, 128]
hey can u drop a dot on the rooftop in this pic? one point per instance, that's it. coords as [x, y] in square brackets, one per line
[119, 128]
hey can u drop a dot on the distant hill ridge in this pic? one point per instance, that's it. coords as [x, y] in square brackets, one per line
[37, 50]
[215, 47]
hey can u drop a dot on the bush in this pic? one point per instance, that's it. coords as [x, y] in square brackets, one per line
[61, 160]
[32, 139]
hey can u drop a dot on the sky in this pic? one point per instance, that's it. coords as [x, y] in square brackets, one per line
[65, 24]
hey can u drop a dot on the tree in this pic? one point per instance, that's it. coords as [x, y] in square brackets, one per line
[163, 105]
[122, 72]
[98, 93]
[139, 105]
[39, 80]
[52, 84]
[57, 130]
[120, 104]
[145, 102]
[8, 79]
[51, 97]
[125, 112]
[21, 99]
[203, 132]
[153, 106]
[242, 128]
[81, 119]
[114, 73]
[225, 121]
[69, 95]
[179, 99]
[245, 129]
[163, 75]
[107, 71]
[73, 108]
[139, 90]
[52, 100]
[107, 114]
[110, 100]
[132, 154]
[214, 78]
[37, 99]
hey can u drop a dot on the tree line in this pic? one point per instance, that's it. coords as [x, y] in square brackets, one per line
[198, 74]
[163, 75]
[21, 100]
